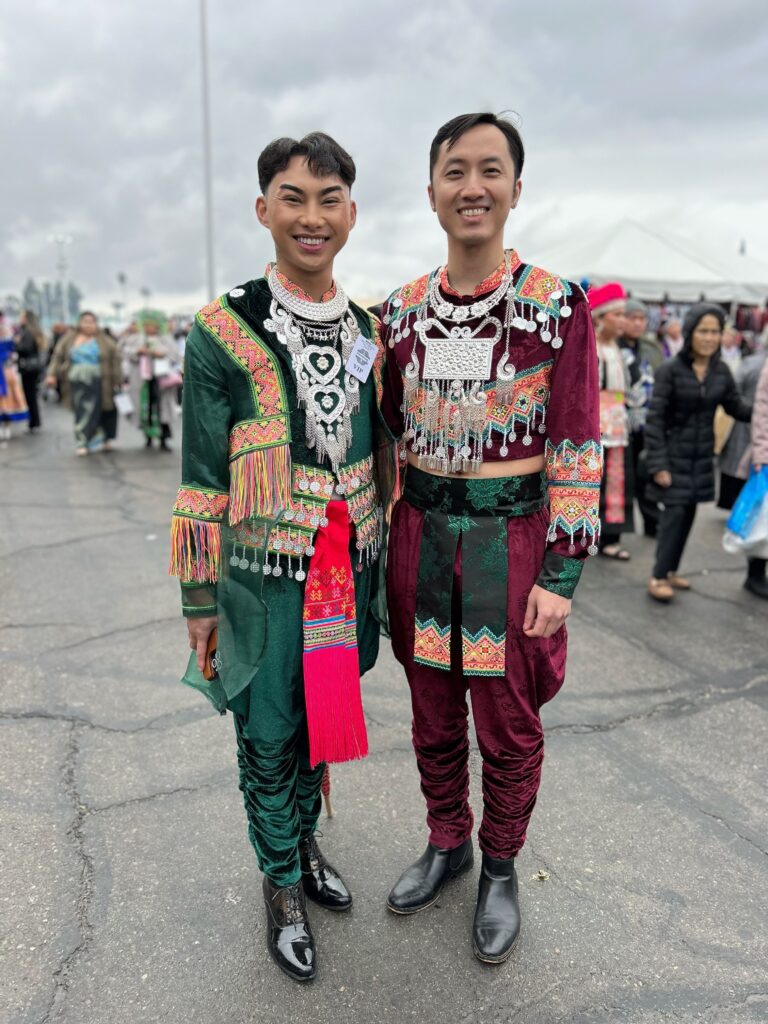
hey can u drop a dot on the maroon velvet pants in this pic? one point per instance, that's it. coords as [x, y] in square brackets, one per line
[505, 708]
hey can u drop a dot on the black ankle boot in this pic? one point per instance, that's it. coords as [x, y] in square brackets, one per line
[420, 885]
[756, 582]
[289, 937]
[321, 882]
[148, 443]
[497, 917]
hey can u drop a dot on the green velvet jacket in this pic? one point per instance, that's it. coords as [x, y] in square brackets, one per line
[252, 492]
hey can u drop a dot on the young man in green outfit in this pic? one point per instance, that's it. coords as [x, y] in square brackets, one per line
[277, 525]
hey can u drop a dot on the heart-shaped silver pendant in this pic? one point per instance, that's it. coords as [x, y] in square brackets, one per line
[322, 363]
[328, 402]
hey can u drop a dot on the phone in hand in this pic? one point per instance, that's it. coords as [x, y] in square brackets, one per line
[212, 660]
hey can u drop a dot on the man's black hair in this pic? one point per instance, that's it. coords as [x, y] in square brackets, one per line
[452, 131]
[324, 156]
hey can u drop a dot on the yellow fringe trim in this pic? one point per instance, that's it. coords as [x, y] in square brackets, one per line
[260, 483]
[195, 550]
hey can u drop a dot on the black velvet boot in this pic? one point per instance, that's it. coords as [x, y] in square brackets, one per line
[322, 883]
[756, 582]
[420, 885]
[289, 937]
[497, 917]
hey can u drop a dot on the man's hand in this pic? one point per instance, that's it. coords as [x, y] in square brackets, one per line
[546, 612]
[199, 631]
[663, 478]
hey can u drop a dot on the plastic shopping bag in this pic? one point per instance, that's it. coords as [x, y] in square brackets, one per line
[746, 531]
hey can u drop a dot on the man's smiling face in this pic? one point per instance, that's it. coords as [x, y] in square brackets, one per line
[309, 218]
[474, 185]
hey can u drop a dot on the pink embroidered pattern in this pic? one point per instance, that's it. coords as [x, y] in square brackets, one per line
[256, 434]
[573, 477]
[199, 504]
[432, 645]
[250, 353]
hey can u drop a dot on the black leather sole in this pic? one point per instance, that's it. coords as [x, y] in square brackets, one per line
[495, 959]
[406, 912]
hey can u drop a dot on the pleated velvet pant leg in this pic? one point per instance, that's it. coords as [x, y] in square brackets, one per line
[505, 708]
[280, 790]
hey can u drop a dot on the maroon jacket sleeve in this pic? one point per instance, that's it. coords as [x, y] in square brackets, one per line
[574, 457]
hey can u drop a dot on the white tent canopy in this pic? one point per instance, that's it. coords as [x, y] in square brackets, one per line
[652, 266]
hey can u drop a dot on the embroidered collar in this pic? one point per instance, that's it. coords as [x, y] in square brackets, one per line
[294, 289]
[493, 280]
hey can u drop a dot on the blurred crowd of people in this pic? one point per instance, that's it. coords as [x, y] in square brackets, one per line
[97, 374]
[672, 403]
[674, 400]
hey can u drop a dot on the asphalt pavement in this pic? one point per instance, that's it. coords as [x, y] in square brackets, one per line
[129, 891]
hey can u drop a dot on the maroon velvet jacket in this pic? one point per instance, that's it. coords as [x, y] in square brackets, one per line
[551, 405]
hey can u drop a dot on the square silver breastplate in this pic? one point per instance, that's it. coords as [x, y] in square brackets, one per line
[455, 359]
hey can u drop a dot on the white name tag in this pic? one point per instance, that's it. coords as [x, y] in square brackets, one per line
[361, 358]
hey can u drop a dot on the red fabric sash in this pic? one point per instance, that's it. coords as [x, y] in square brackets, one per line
[331, 666]
[614, 485]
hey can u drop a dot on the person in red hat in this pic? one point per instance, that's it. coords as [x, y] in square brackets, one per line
[607, 303]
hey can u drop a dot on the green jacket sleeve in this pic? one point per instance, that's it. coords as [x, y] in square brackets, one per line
[203, 497]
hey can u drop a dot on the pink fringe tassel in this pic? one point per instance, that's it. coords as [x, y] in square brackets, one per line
[195, 550]
[260, 483]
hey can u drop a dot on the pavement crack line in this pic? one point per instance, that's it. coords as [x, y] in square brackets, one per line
[66, 542]
[86, 884]
[732, 829]
[112, 632]
[159, 724]
[668, 709]
[118, 805]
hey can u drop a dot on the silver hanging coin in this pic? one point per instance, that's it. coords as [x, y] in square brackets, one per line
[557, 342]
[267, 569]
[546, 336]
[323, 521]
[277, 571]
[592, 549]
[237, 292]
[234, 560]
[542, 428]
[300, 576]
[243, 563]
[542, 317]
[530, 326]
[309, 550]
[565, 311]
[314, 487]
[527, 440]
[314, 521]
[255, 567]
[304, 484]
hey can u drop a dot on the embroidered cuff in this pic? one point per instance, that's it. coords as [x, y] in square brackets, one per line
[559, 575]
[573, 478]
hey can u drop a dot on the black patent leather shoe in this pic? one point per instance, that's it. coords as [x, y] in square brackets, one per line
[420, 885]
[289, 937]
[497, 917]
[322, 883]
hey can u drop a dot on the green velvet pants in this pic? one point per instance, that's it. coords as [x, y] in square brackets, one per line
[280, 790]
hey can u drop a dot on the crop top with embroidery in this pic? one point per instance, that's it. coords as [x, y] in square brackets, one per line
[543, 398]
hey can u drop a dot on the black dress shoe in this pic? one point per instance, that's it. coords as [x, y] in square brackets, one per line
[289, 936]
[322, 883]
[497, 917]
[420, 885]
[757, 587]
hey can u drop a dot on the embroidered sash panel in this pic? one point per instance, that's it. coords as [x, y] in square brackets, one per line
[573, 476]
[474, 511]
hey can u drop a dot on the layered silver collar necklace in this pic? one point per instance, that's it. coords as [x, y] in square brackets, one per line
[319, 337]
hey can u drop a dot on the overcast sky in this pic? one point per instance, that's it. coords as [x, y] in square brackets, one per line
[647, 109]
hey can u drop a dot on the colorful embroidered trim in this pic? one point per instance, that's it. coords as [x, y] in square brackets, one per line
[536, 287]
[492, 281]
[573, 477]
[200, 504]
[482, 653]
[255, 434]
[250, 352]
[432, 645]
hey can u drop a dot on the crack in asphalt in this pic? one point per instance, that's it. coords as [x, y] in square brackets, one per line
[86, 881]
[169, 720]
[732, 828]
[111, 632]
[227, 779]
[667, 709]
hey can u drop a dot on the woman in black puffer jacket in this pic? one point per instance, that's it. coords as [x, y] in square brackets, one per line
[680, 441]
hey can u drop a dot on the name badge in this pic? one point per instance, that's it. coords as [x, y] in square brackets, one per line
[361, 358]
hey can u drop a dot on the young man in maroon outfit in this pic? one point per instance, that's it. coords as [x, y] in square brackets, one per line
[492, 385]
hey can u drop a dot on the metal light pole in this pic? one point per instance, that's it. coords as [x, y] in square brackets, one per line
[62, 265]
[210, 271]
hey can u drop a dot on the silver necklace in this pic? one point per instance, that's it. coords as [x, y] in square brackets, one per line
[312, 339]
